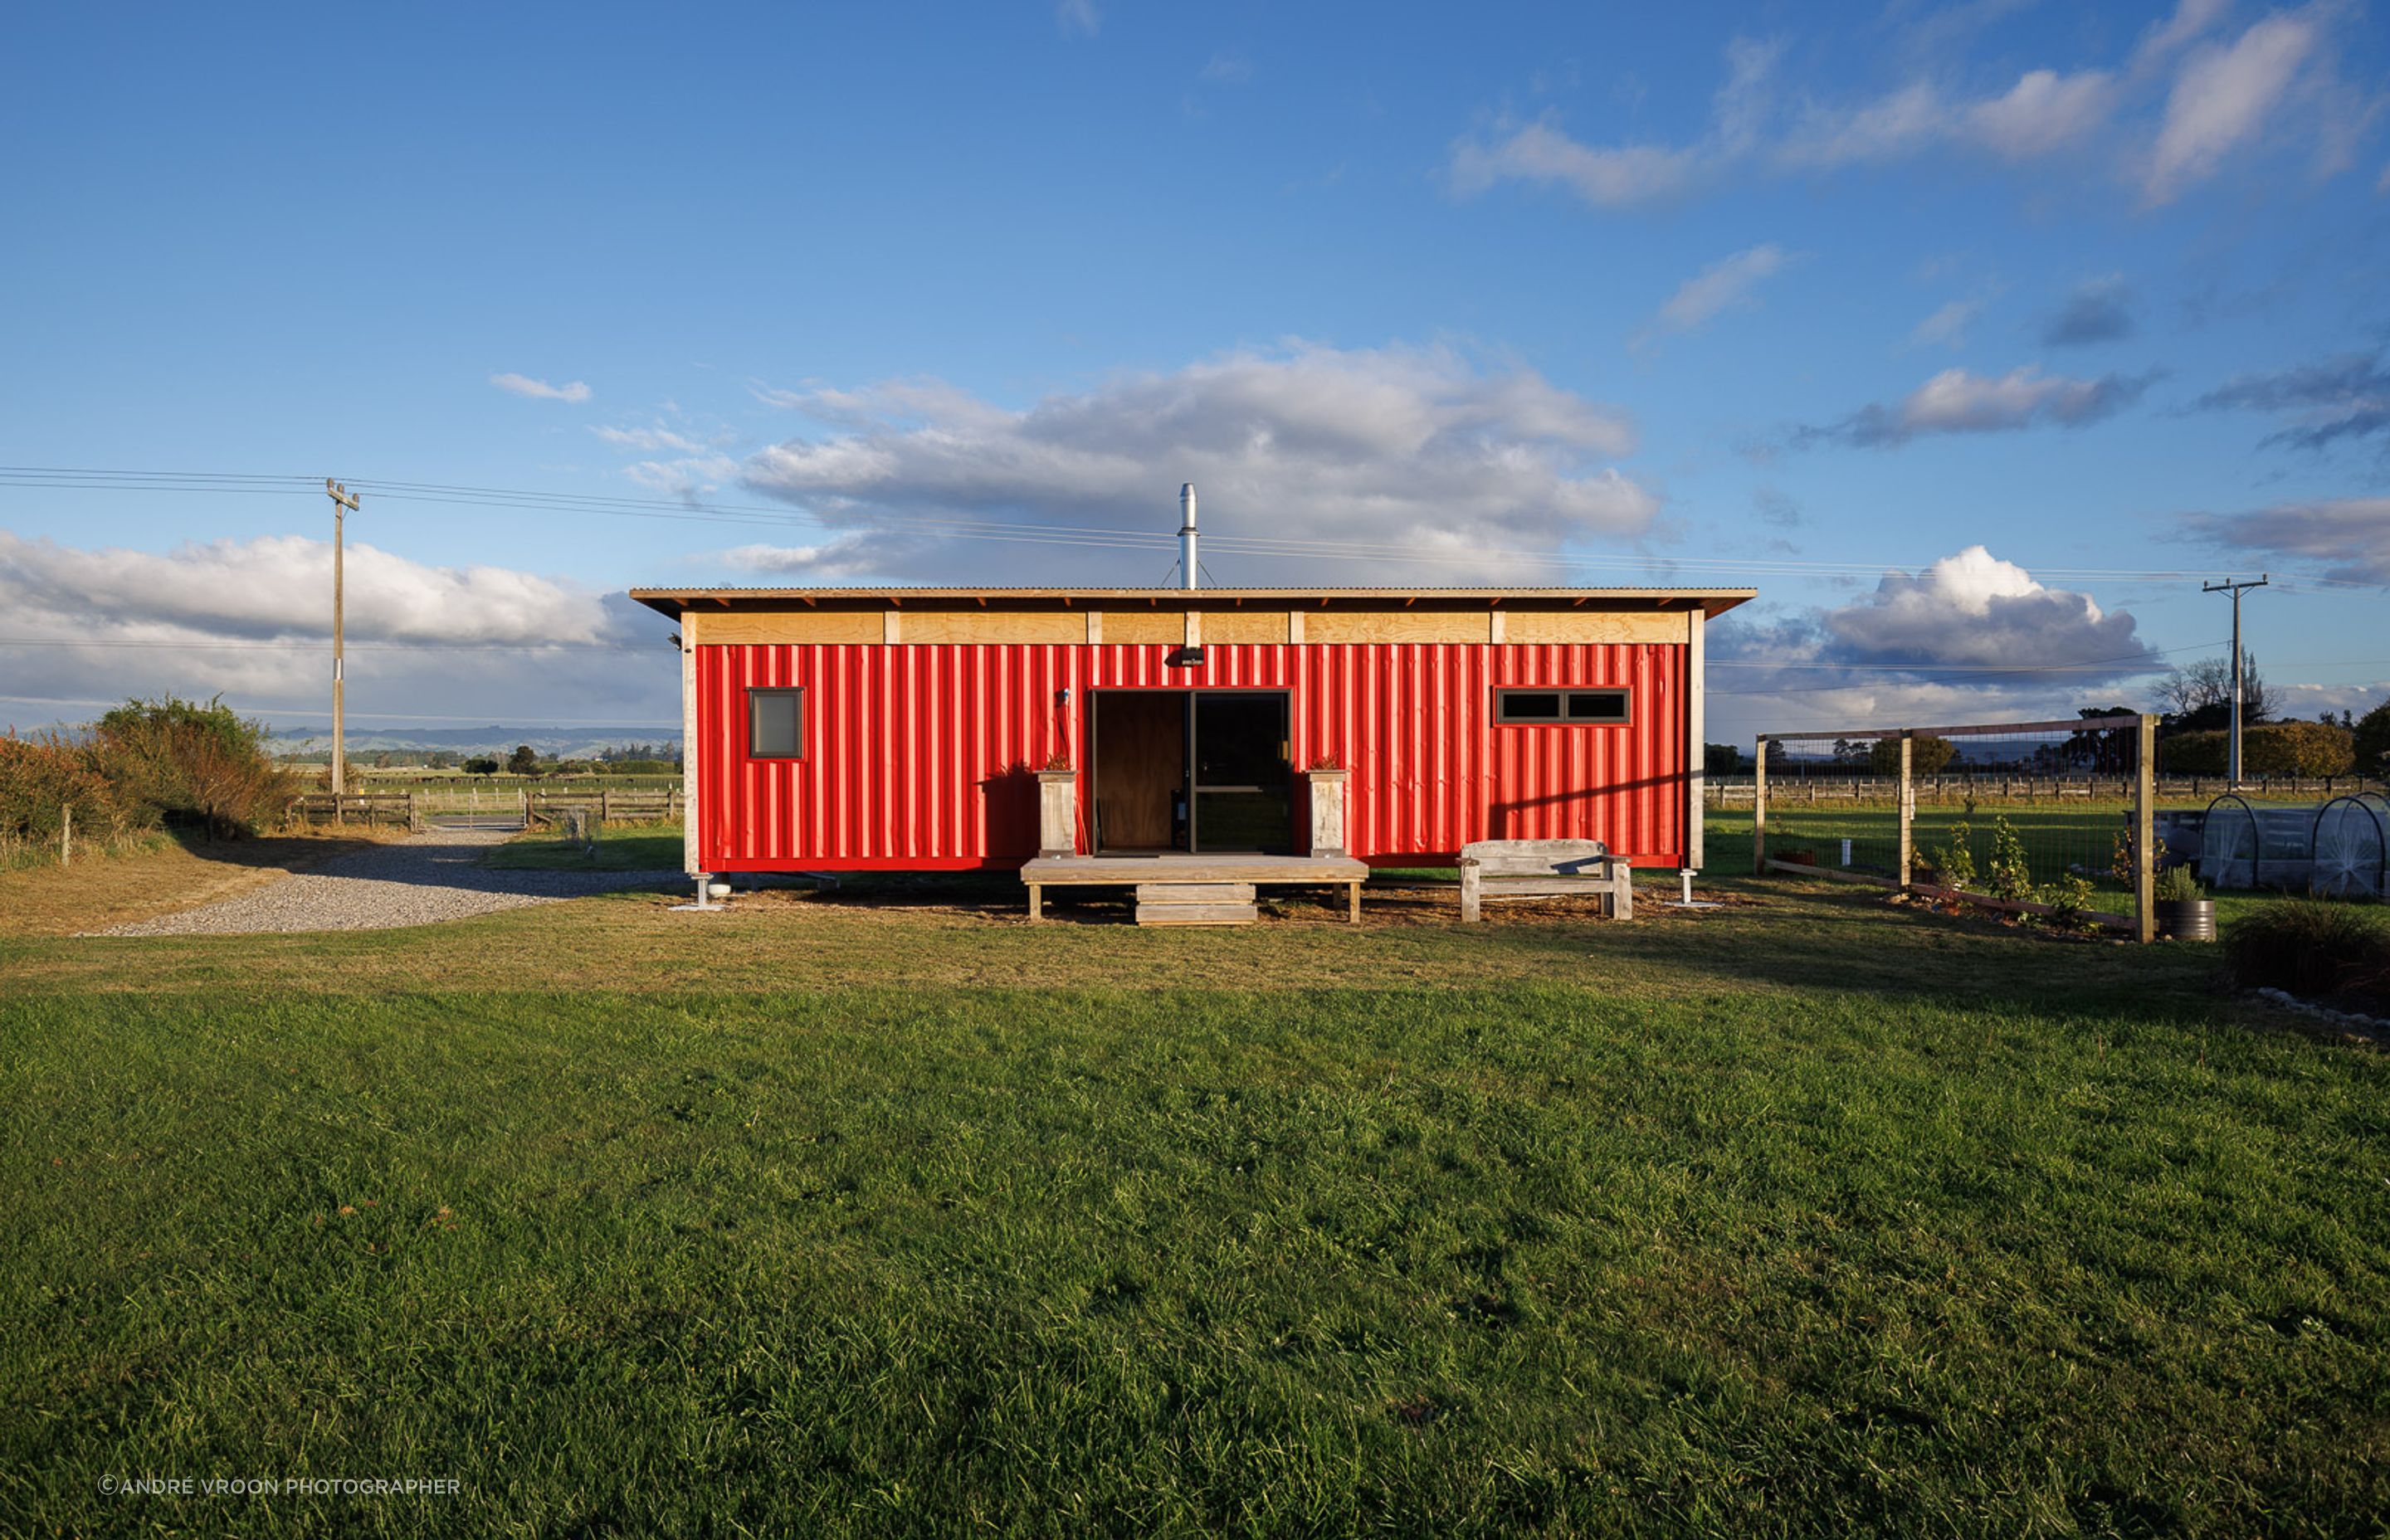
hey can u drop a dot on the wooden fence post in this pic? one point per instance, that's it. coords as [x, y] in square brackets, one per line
[1907, 813]
[2145, 837]
[66, 834]
[1759, 810]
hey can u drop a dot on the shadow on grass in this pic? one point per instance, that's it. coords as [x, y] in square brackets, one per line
[1770, 935]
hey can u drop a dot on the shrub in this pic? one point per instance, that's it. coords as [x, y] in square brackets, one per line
[40, 779]
[2315, 949]
[2068, 898]
[2009, 874]
[2266, 749]
[1955, 863]
[193, 764]
[2192, 755]
[2176, 885]
[2298, 748]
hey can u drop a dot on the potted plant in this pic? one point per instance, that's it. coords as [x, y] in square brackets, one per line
[2184, 910]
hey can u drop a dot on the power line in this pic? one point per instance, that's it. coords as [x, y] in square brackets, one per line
[1082, 536]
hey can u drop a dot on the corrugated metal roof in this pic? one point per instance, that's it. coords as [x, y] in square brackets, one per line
[1174, 591]
[671, 601]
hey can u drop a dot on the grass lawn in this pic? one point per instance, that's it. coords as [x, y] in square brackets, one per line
[884, 1211]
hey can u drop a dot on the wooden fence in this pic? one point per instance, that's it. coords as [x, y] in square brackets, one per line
[546, 807]
[1799, 789]
[531, 808]
[358, 807]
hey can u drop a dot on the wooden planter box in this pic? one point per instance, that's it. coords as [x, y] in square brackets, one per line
[1328, 788]
[1058, 812]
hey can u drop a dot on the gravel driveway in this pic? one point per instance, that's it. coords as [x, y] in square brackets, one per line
[429, 877]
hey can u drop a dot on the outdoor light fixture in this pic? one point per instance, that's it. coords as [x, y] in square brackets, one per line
[1186, 657]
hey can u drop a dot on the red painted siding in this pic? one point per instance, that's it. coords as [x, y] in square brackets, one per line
[919, 756]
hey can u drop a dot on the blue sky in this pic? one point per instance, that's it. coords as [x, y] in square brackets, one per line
[1817, 297]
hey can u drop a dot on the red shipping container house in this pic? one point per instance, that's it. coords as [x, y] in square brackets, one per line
[829, 729]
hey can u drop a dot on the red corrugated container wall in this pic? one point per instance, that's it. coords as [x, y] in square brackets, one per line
[921, 757]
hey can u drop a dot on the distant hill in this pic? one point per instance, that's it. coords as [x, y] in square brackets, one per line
[549, 742]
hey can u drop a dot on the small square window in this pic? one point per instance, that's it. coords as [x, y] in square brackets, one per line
[775, 723]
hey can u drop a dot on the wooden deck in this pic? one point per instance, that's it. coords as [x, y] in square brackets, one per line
[1187, 873]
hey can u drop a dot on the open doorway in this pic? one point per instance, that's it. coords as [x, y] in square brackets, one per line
[1204, 771]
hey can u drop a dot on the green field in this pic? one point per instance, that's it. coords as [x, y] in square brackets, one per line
[886, 1213]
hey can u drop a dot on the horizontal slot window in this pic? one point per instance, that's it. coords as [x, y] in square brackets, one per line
[775, 723]
[1562, 708]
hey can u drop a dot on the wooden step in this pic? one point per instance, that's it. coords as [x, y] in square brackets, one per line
[1196, 914]
[1195, 903]
[1194, 893]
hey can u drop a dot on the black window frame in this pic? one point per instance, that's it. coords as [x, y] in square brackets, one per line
[1564, 693]
[756, 696]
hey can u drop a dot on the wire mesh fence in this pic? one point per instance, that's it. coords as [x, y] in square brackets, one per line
[2069, 819]
[2042, 818]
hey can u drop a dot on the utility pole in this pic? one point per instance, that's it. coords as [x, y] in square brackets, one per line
[344, 502]
[2232, 769]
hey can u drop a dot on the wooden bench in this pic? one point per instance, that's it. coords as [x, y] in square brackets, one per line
[1544, 868]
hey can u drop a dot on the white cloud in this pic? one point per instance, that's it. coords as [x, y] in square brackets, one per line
[2191, 20]
[2305, 702]
[1890, 128]
[2043, 113]
[1624, 176]
[1078, 15]
[2222, 98]
[540, 390]
[251, 619]
[1429, 450]
[1725, 284]
[1974, 609]
[1969, 638]
[691, 475]
[846, 556]
[1957, 400]
[1227, 70]
[1946, 327]
[276, 585]
[650, 440]
[2350, 536]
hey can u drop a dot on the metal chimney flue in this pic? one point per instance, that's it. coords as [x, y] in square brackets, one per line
[1187, 563]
